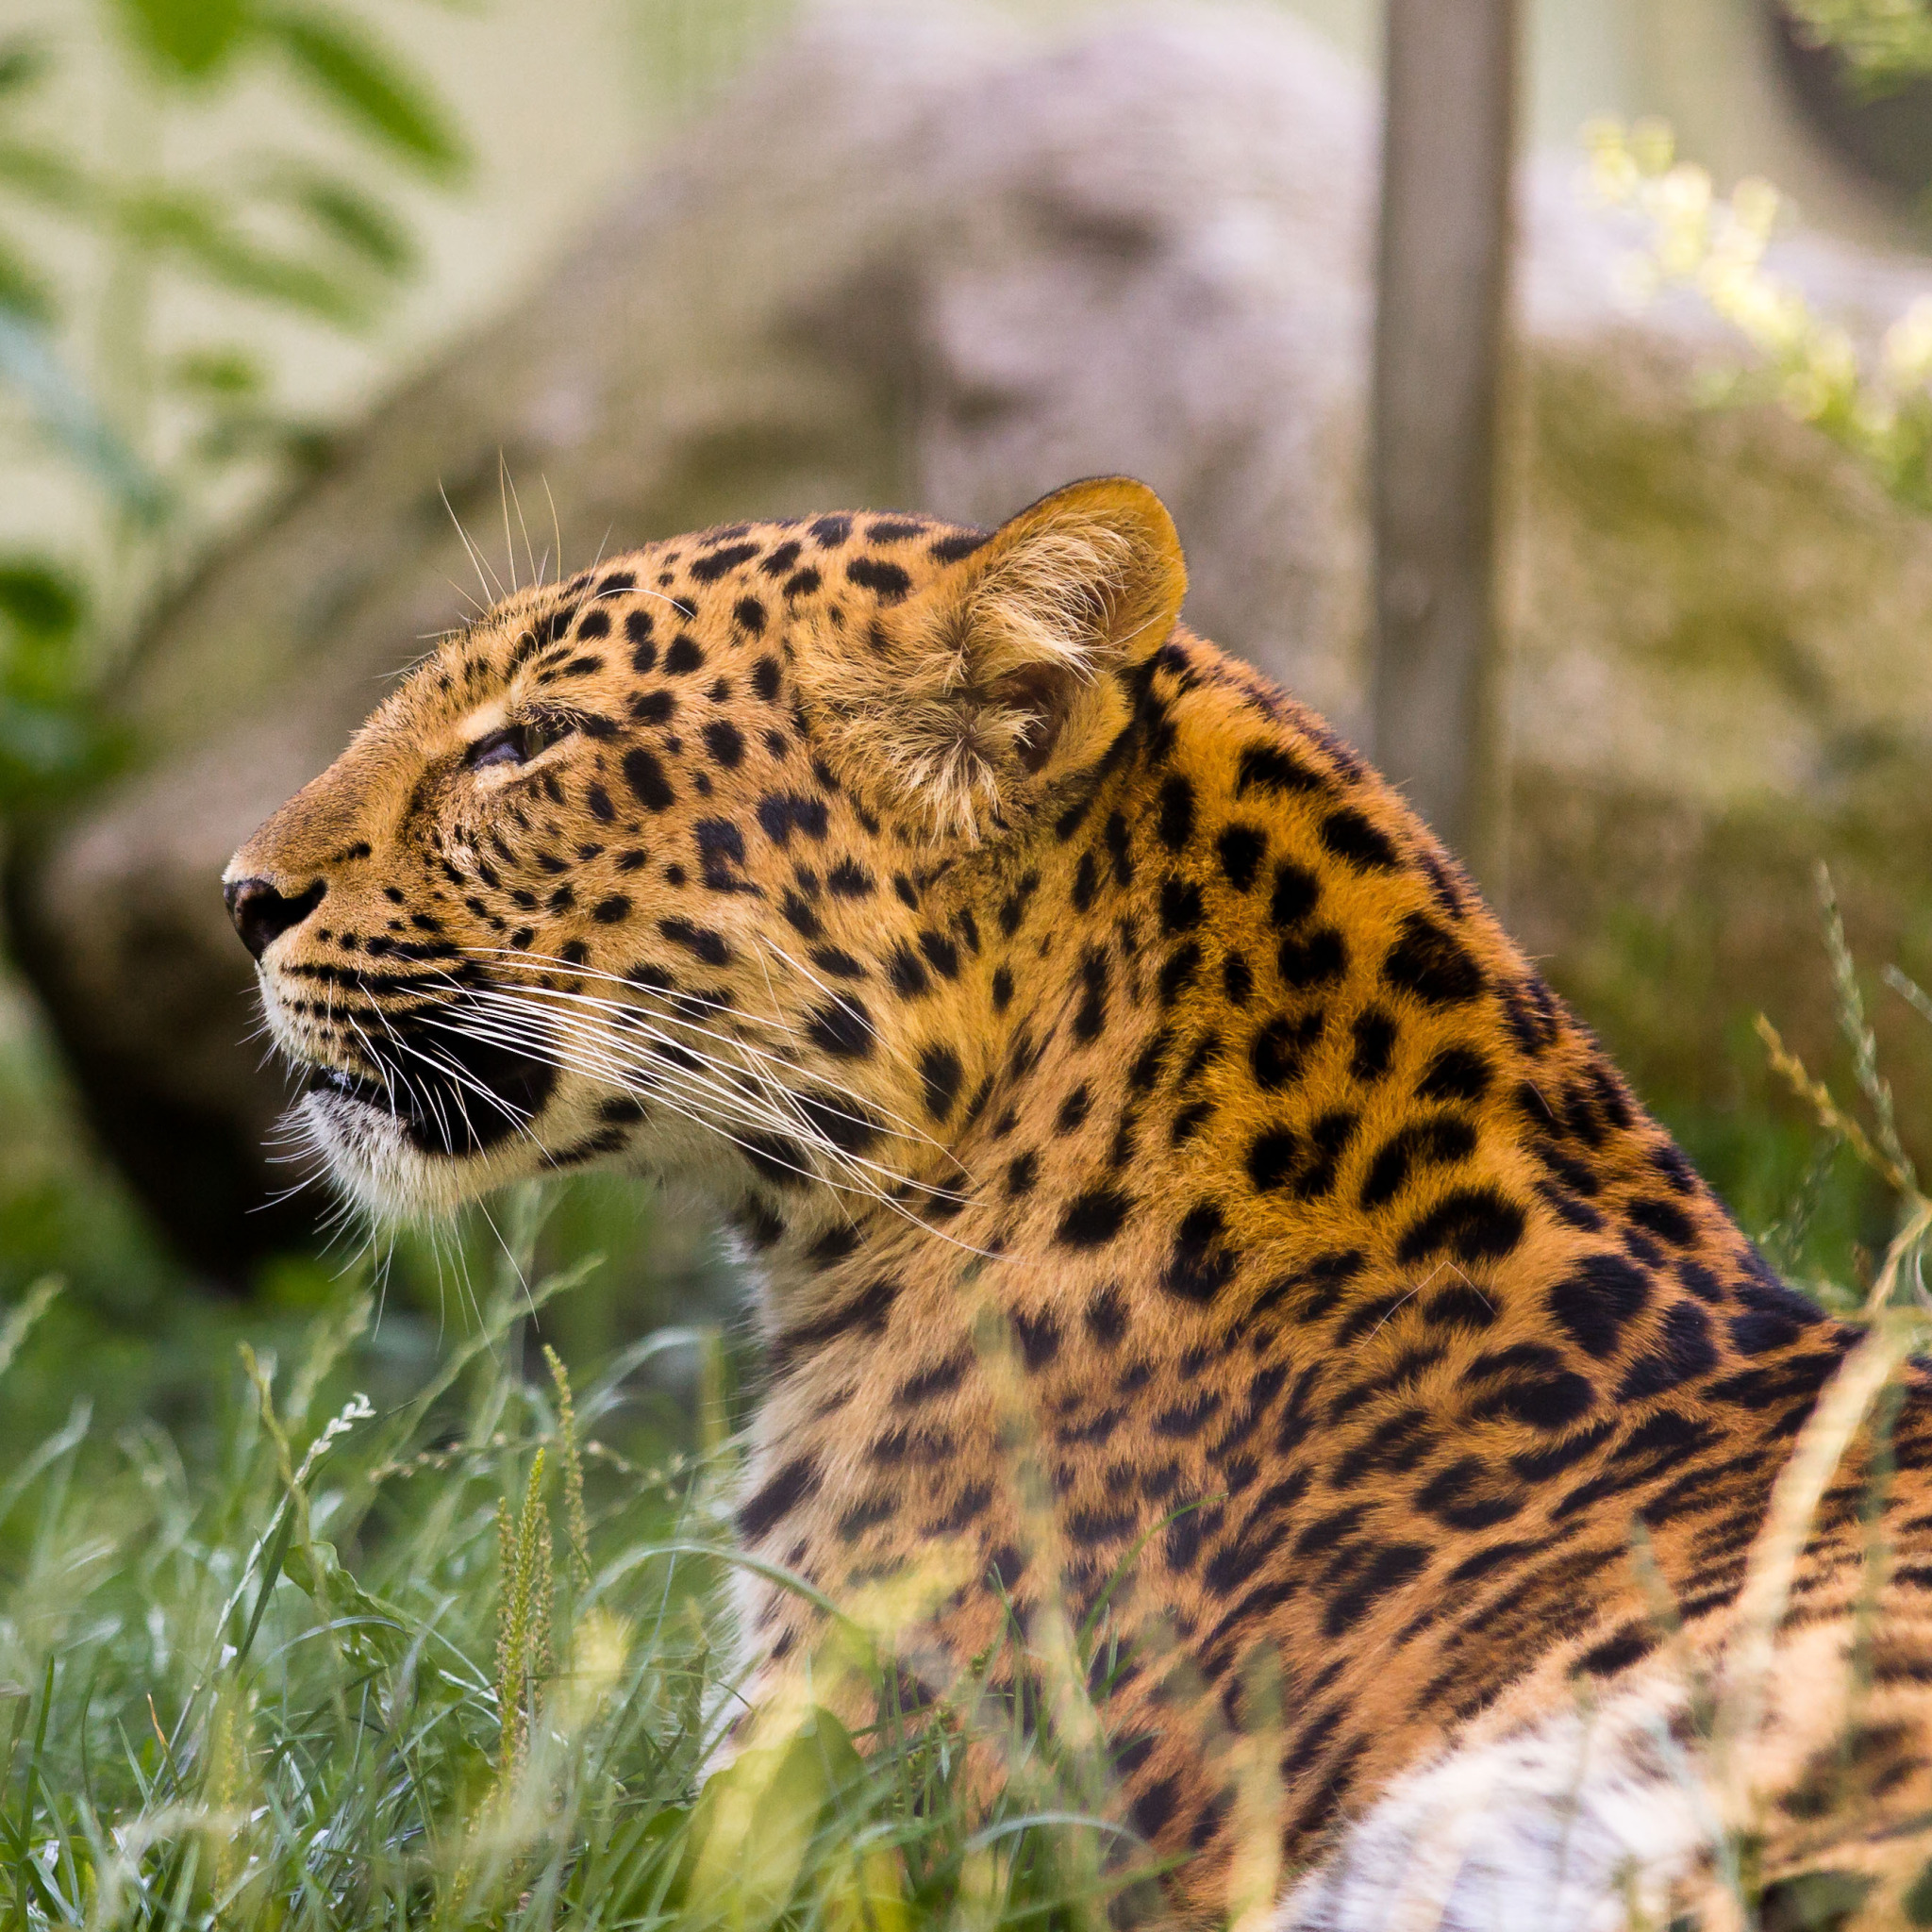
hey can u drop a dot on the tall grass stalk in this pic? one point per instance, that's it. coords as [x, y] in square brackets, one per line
[462, 1662]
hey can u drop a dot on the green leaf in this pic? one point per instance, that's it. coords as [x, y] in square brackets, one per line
[23, 289]
[39, 597]
[227, 373]
[23, 60]
[44, 176]
[197, 233]
[366, 82]
[352, 220]
[187, 40]
[41, 744]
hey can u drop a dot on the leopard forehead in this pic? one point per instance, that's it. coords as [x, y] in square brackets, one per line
[680, 790]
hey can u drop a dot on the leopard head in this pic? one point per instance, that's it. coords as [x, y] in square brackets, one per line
[683, 863]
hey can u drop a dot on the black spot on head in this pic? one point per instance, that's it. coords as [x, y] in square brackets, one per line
[1474, 1224]
[1459, 1305]
[1427, 962]
[636, 627]
[1597, 1299]
[724, 741]
[1662, 1217]
[611, 911]
[1296, 889]
[764, 679]
[699, 940]
[1269, 768]
[1375, 1044]
[1174, 824]
[1093, 1217]
[844, 1123]
[1433, 1140]
[1180, 906]
[1312, 958]
[1535, 1388]
[961, 543]
[1457, 1073]
[828, 533]
[941, 955]
[838, 962]
[1199, 1266]
[709, 565]
[1240, 849]
[1178, 972]
[906, 972]
[1280, 1049]
[683, 656]
[1352, 836]
[1774, 1314]
[596, 623]
[940, 1073]
[653, 706]
[750, 616]
[721, 851]
[1272, 1157]
[842, 1027]
[1684, 1351]
[1106, 1317]
[800, 916]
[888, 582]
[1039, 1335]
[644, 775]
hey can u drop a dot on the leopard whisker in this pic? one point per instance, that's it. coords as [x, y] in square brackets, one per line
[629, 1075]
[614, 1060]
[910, 1130]
[779, 1113]
[708, 1119]
[485, 577]
[637, 1016]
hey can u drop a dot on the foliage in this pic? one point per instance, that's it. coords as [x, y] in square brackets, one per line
[156, 430]
[332, 1672]
[1885, 43]
[1879, 407]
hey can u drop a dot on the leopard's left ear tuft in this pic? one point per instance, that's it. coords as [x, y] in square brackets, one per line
[1008, 672]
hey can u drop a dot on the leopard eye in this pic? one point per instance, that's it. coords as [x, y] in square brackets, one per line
[515, 744]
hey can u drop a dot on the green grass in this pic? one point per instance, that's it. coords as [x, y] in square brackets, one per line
[448, 1653]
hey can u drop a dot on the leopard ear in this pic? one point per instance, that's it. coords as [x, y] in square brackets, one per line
[1007, 673]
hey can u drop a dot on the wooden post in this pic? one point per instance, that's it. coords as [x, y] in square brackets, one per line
[1442, 283]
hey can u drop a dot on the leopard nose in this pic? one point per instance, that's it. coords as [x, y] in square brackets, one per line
[262, 914]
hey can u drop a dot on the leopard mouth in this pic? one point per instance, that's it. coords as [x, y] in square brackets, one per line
[459, 1097]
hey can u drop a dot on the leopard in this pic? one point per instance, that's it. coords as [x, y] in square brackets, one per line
[1167, 1192]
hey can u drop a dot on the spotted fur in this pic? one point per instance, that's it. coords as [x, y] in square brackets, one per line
[1098, 1056]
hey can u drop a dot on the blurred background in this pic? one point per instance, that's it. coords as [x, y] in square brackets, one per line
[1607, 527]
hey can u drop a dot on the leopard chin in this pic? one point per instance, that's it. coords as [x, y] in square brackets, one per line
[395, 1165]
